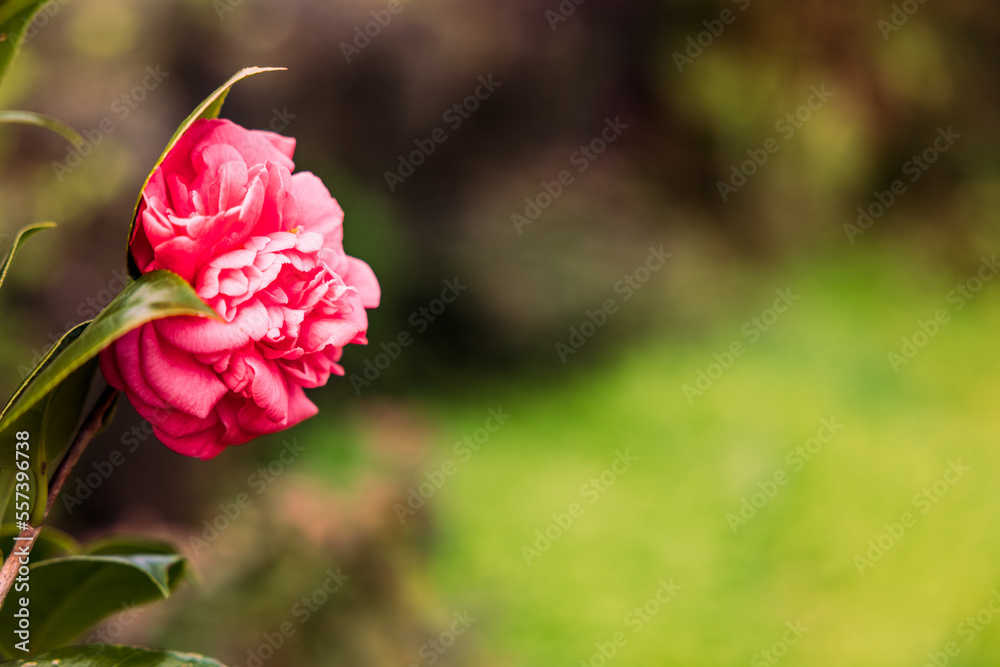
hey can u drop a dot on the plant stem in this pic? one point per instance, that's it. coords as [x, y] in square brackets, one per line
[92, 425]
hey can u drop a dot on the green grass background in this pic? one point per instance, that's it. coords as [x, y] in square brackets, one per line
[666, 517]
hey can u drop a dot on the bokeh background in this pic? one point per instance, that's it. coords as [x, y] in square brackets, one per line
[813, 500]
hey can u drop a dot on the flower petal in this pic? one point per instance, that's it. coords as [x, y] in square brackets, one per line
[178, 378]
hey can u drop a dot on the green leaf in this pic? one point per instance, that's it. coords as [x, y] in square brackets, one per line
[51, 543]
[156, 295]
[21, 237]
[15, 17]
[209, 108]
[8, 478]
[52, 422]
[127, 545]
[64, 411]
[61, 413]
[43, 121]
[99, 655]
[70, 594]
[60, 345]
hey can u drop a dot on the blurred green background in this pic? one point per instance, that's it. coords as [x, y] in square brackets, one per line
[744, 529]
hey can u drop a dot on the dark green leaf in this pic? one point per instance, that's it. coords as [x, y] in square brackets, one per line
[153, 296]
[51, 543]
[43, 121]
[108, 417]
[209, 108]
[99, 655]
[61, 413]
[21, 237]
[52, 422]
[70, 594]
[127, 545]
[60, 345]
[7, 482]
[64, 411]
[15, 17]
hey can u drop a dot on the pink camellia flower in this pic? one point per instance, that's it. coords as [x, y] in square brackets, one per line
[261, 246]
